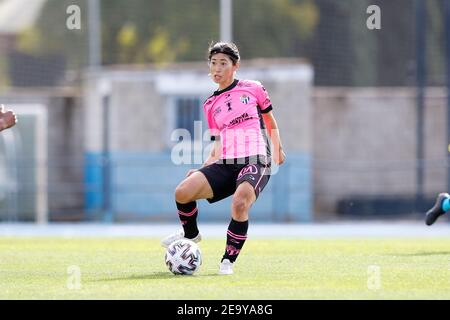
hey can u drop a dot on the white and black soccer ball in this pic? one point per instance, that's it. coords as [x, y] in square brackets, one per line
[183, 257]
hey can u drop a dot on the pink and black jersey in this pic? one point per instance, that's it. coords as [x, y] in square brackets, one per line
[235, 114]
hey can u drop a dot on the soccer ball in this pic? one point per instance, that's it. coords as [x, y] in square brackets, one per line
[183, 257]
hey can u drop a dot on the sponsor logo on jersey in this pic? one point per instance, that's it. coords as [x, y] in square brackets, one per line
[250, 169]
[240, 119]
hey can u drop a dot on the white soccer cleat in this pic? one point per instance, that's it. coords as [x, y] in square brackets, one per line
[226, 267]
[179, 234]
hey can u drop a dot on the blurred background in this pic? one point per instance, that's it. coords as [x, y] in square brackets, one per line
[100, 86]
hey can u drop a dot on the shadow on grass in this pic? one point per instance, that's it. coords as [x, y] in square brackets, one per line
[155, 276]
[418, 254]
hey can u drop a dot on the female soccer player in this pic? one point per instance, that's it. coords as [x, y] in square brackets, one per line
[240, 161]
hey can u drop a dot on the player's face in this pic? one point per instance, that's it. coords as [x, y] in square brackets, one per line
[222, 70]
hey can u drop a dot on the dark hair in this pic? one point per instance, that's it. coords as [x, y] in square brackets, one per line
[228, 48]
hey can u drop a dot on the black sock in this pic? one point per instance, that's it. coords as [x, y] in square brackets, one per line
[236, 236]
[188, 217]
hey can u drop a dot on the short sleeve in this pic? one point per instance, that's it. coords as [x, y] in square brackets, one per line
[264, 101]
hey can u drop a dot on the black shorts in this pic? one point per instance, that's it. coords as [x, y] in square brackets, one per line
[224, 177]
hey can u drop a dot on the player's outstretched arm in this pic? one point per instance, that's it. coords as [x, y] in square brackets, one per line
[7, 118]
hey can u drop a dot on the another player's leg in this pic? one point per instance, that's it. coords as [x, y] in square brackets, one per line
[194, 187]
[441, 206]
[243, 199]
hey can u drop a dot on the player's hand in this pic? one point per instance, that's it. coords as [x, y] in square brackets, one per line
[7, 118]
[190, 172]
[279, 156]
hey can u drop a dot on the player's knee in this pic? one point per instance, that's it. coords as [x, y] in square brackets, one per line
[182, 194]
[241, 203]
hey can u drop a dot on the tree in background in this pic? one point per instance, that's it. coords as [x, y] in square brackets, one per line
[284, 28]
[170, 30]
[165, 30]
[331, 34]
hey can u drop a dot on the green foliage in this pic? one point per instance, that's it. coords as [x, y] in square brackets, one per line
[170, 30]
[30, 41]
[331, 34]
[51, 35]
[265, 28]
[166, 30]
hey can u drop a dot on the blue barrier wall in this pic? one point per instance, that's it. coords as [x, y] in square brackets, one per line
[140, 186]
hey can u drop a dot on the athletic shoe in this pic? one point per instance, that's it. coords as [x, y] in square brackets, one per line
[177, 236]
[226, 267]
[436, 211]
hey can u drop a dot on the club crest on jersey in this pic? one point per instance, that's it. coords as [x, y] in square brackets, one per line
[245, 99]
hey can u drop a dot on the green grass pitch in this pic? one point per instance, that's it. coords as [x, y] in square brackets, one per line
[133, 268]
